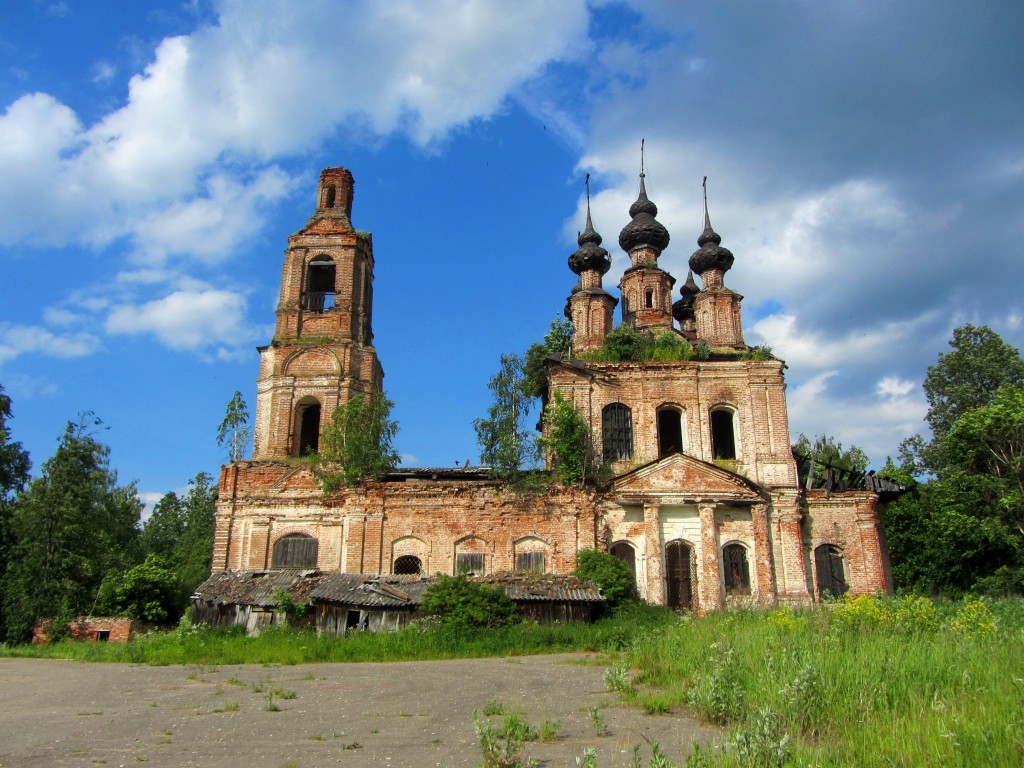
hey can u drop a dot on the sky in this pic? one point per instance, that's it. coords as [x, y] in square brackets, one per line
[865, 164]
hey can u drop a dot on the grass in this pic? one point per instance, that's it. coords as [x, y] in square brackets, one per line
[202, 647]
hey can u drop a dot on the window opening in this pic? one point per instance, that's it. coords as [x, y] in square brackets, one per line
[320, 282]
[649, 298]
[625, 552]
[296, 550]
[617, 429]
[530, 561]
[678, 588]
[470, 563]
[407, 565]
[723, 436]
[331, 194]
[828, 566]
[309, 429]
[352, 621]
[670, 432]
[737, 571]
[102, 635]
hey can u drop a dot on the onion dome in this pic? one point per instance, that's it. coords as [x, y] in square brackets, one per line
[644, 229]
[590, 255]
[684, 307]
[710, 254]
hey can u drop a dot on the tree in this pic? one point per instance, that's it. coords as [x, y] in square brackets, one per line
[71, 527]
[827, 452]
[235, 432]
[147, 592]
[612, 575]
[464, 605]
[359, 437]
[14, 466]
[557, 343]
[566, 439]
[504, 438]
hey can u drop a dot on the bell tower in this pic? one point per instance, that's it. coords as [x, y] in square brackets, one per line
[322, 352]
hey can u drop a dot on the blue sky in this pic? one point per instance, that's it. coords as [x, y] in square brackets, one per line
[865, 164]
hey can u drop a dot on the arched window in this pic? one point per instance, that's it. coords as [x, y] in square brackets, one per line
[626, 553]
[737, 570]
[407, 565]
[828, 567]
[678, 576]
[307, 417]
[670, 431]
[320, 275]
[617, 432]
[723, 434]
[296, 550]
[649, 298]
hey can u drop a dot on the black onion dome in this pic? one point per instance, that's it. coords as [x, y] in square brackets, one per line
[684, 307]
[590, 254]
[710, 255]
[643, 229]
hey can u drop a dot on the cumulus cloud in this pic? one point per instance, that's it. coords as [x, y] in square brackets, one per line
[263, 82]
[207, 319]
[17, 340]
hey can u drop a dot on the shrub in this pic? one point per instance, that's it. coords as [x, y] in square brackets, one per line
[609, 573]
[566, 439]
[462, 603]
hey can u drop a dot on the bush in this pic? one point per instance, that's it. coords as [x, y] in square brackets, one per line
[464, 604]
[612, 575]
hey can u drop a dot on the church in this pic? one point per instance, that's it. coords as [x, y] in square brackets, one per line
[704, 501]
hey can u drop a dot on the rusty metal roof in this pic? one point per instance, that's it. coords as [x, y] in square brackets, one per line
[372, 591]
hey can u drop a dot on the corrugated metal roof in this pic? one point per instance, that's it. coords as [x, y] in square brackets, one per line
[371, 591]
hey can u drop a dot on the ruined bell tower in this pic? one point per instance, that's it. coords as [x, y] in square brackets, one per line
[322, 352]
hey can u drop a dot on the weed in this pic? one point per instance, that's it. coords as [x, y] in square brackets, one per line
[309, 676]
[548, 730]
[588, 759]
[617, 679]
[763, 743]
[597, 721]
[493, 709]
[500, 749]
[317, 737]
[270, 706]
[233, 680]
[283, 693]
[716, 692]
[352, 746]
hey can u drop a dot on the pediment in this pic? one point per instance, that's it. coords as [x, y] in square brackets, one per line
[680, 477]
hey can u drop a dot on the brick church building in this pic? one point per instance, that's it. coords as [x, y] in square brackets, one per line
[705, 504]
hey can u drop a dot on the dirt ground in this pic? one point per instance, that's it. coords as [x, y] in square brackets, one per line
[66, 713]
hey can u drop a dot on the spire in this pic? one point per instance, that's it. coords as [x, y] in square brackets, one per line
[590, 255]
[643, 229]
[683, 308]
[711, 254]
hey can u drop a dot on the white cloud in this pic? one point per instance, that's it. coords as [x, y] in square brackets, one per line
[188, 320]
[894, 387]
[103, 72]
[173, 167]
[17, 340]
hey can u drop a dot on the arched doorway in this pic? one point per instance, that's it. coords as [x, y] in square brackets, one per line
[828, 568]
[678, 576]
[308, 417]
[670, 432]
[626, 553]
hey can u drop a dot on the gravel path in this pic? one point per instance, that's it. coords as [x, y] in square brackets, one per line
[66, 713]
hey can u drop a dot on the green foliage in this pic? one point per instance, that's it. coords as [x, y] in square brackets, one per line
[506, 445]
[567, 440]
[69, 528]
[763, 352]
[826, 451]
[356, 445]
[464, 604]
[147, 592]
[612, 575]
[702, 351]
[14, 466]
[290, 606]
[234, 432]
[557, 343]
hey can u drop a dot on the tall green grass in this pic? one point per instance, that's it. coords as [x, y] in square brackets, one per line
[865, 682]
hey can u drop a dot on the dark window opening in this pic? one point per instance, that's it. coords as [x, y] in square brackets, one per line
[330, 197]
[828, 566]
[737, 571]
[407, 565]
[530, 561]
[309, 429]
[320, 282]
[649, 298]
[470, 563]
[625, 552]
[102, 635]
[352, 621]
[296, 550]
[678, 585]
[723, 437]
[670, 432]
[617, 432]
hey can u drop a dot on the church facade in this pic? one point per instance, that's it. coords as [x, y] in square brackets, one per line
[704, 504]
